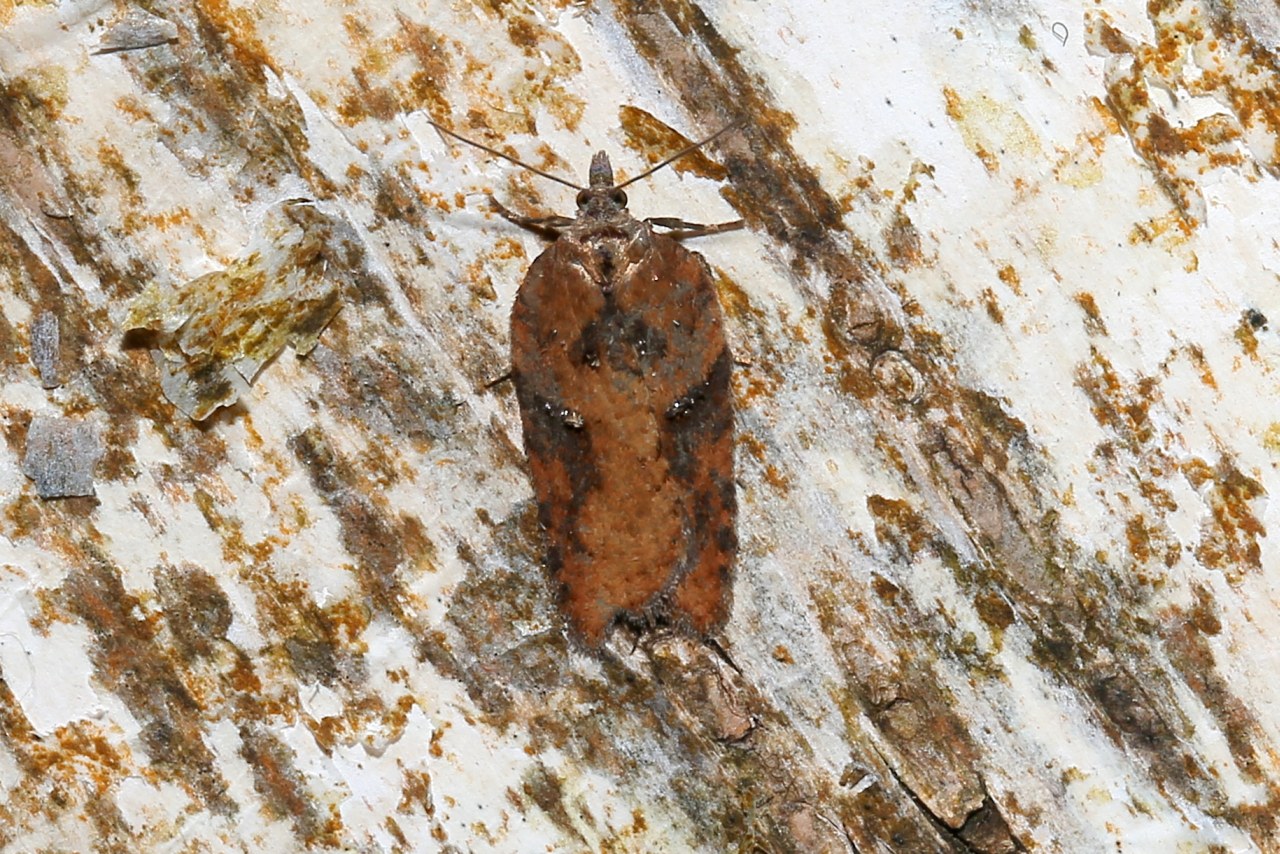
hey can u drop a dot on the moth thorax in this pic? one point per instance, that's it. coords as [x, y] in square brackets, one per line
[610, 255]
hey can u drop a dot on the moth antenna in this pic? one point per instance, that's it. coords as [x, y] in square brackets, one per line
[498, 153]
[681, 153]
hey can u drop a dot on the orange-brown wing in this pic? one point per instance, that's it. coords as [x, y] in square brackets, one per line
[627, 412]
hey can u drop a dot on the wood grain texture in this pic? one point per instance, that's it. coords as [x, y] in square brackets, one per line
[1005, 422]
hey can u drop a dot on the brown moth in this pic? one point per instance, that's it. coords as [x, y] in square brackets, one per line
[622, 372]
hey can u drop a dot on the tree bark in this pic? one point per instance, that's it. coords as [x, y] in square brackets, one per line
[1006, 429]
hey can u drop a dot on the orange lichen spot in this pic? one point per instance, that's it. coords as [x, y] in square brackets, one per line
[775, 478]
[1010, 277]
[133, 107]
[1104, 113]
[1204, 614]
[1114, 41]
[903, 241]
[992, 304]
[753, 446]
[1197, 357]
[900, 525]
[657, 141]
[919, 171]
[415, 793]
[417, 544]
[884, 588]
[284, 789]
[1138, 536]
[994, 610]
[369, 100]
[1229, 541]
[1093, 321]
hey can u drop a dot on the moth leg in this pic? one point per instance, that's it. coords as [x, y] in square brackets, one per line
[501, 379]
[547, 226]
[681, 229]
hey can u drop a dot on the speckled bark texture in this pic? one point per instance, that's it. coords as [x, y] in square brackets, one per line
[1006, 429]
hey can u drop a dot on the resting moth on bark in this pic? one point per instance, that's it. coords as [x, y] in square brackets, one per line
[622, 372]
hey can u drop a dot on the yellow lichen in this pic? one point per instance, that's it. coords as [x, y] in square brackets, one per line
[214, 334]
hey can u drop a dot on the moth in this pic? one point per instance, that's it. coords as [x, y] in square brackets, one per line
[622, 373]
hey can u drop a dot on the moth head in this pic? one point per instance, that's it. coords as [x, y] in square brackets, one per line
[601, 196]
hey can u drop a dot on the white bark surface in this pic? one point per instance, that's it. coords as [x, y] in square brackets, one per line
[1007, 429]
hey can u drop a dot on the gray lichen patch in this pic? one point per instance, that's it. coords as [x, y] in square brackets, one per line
[46, 344]
[214, 334]
[60, 457]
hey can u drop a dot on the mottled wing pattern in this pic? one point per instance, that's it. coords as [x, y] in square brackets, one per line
[625, 400]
